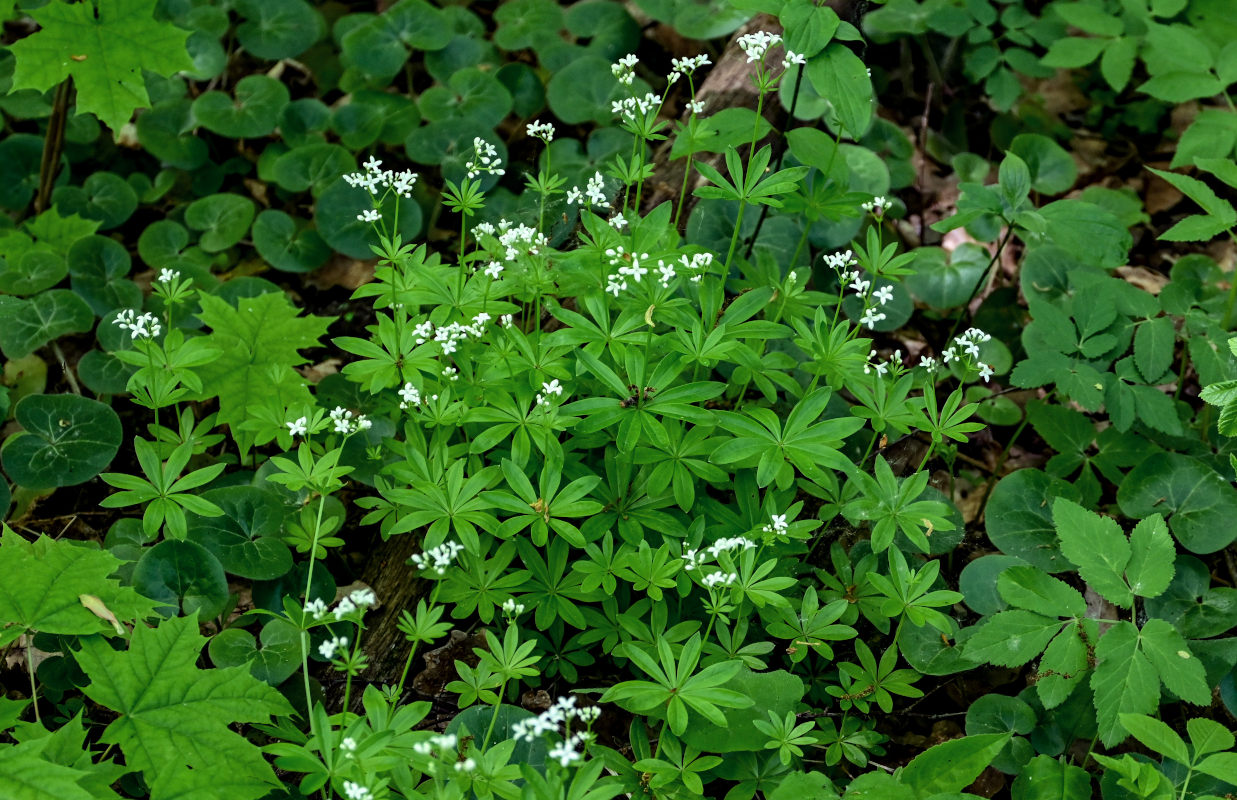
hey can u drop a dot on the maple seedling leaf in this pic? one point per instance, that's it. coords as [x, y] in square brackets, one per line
[55, 576]
[104, 46]
[174, 717]
[259, 340]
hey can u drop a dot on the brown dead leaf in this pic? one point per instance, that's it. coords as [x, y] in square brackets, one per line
[1160, 194]
[1148, 280]
[440, 663]
[318, 371]
[341, 271]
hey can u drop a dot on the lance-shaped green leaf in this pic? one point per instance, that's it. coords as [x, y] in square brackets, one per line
[952, 766]
[1124, 681]
[174, 718]
[54, 577]
[104, 47]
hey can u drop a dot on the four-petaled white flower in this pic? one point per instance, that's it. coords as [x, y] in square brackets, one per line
[167, 275]
[297, 427]
[884, 294]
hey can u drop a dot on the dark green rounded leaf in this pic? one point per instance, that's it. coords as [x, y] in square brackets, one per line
[27, 325]
[978, 582]
[164, 132]
[477, 720]
[1198, 503]
[32, 271]
[946, 280]
[336, 211]
[183, 575]
[105, 197]
[20, 156]
[99, 267]
[471, 94]
[583, 90]
[274, 662]
[303, 121]
[276, 29]
[103, 373]
[1052, 169]
[1191, 605]
[223, 219]
[1019, 517]
[287, 244]
[312, 166]
[527, 23]
[254, 111]
[245, 538]
[66, 440]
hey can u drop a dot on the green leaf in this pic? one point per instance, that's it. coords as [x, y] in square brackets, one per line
[841, 77]
[1089, 18]
[1182, 87]
[1097, 546]
[1200, 193]
[1153, 348]
[287, 244]
[1019, 517]
[1092, 234]
[1052, 169]
[245, 538]
[476, 720]
[27, 325]
[1048, 778]
[259, 340]
[67, 440]
[1031, 588]
[1179, 669]
[277, 29]
[54, 576]
[253, 112]
[184, 576]
[1011, 638]
[174, 718]
[224, 220]
[1124, 681]
[946, 280]
[1150, 570]
[1071, 52]
[104, 47]
[1156, 735]
[1208, 736]
[274, 662]
[776, 691]
[1198, 503]
[952, 766]
[1220, 765]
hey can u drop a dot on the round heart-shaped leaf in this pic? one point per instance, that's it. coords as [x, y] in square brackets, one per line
[311, 166]
[1020, 522]
[163, 132]
[99, 267]
[1198, 503]
[32, 271]
[27, 325]
[274, 662]
[224, 219]
[105, 197]
[287, 244]
[336, 212]
[253, 113]
[946, 280]
[104, 373]
[370, 45]
[245, 538]
[303, 121]
[582, 91]
[67, 440]
[276, 29]
[183, 575]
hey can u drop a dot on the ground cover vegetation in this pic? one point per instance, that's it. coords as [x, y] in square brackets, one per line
[743, 398]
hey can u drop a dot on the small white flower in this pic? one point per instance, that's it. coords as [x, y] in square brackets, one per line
[297, 427]
[438, 558]
[755, 45]
[541, 130]
[507, 320]
[876, 206]
[793, 59]
[344, 608]
[624, 69]
[552, 388]
[512, 608]
[929, 363]
[356, 791]
[884, 294]
[985, 371]
[369, 215]
[330, 646]
[467, 765]
[493, 270]
[168, 275]
[859, 286]
[719, 578]
[870, 317]
[618, 221]
[316, 607]
[348, 745]
[695, 106]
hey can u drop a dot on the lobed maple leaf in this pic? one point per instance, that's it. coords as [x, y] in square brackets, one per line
[174, 717]
[104, 46]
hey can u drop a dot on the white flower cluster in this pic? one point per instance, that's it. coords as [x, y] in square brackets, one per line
[850, 279]
[629, 266]
[840, 263]
[541, 130]
[374, 179]
[697, 265]
[618, 221]
[348, 746]
[332, 645]
[793, 59]
[484, 160]
[695, 558]
[876, 207]
[930, 364]
[450, 335]
[369, 215]
[966, 347]
[567, 752]
[548, 390]
[625, 69]
[346, 422]
[438, 742]
[512, 608]
[298, 426]
[755, 45]
[357, 600]
[356, 791]
[777, 525]
[882, 367]
[521, 237]
[633, 108]
[688, 65]
[167, 275]
[139, 326]
[593, 193]
[719, 578]
[438, 558]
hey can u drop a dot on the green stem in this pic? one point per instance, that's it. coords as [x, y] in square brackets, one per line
[494, 717]
[734, 238]
[926, 456]
[356, 647]
[34, 685]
